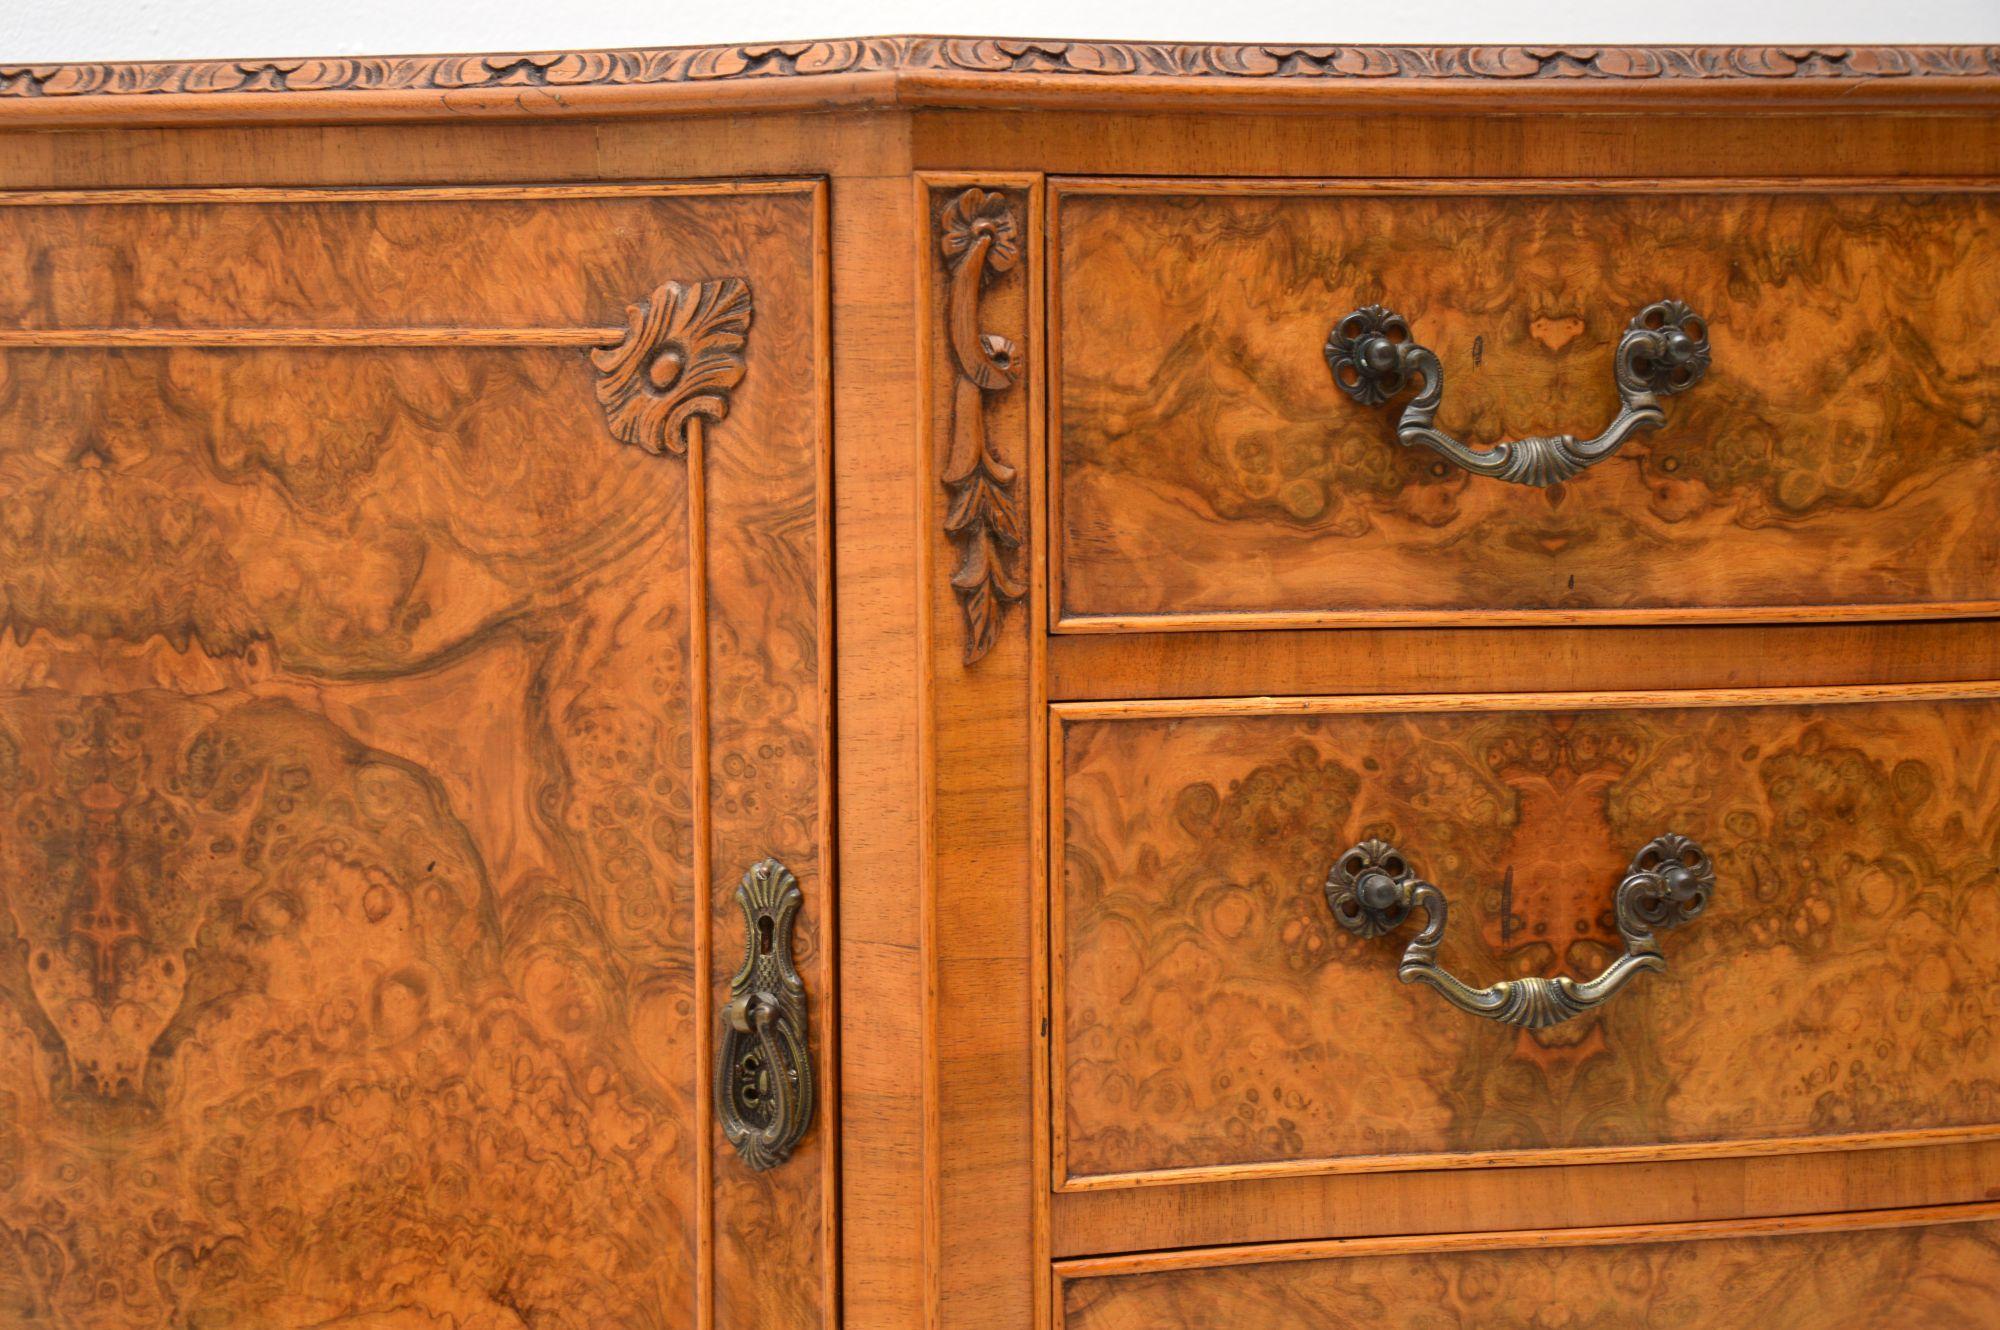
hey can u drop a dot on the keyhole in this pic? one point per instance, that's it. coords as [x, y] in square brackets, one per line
[766, 934]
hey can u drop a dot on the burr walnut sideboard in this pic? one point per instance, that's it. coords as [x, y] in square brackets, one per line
[924, 683]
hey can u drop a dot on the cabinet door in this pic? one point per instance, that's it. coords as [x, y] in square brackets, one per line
[415, 608]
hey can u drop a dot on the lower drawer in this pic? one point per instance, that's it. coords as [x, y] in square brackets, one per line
[1938, 1268]
[1228, 1006]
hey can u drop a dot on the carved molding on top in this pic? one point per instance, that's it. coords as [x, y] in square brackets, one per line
[979, 233]
[682, 353]
[560, 70]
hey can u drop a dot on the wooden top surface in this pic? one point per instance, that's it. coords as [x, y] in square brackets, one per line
[996, 72]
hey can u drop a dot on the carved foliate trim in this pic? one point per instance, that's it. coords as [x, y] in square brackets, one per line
[979, 233]
[682, 353]
[786, 60]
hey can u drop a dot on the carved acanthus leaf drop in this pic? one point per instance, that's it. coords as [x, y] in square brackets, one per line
[980, 235]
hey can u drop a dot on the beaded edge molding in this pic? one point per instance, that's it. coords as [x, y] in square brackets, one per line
[992, 56]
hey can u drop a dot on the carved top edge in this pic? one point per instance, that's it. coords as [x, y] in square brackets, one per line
[943, 70]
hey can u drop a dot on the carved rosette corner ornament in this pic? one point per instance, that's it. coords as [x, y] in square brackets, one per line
[682, 353]
[980, 236]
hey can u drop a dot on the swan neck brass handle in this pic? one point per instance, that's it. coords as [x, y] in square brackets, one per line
[1664, 351]
[763, 1074]
[1372, 889]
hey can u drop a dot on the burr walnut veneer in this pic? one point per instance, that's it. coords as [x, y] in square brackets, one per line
[923, 683]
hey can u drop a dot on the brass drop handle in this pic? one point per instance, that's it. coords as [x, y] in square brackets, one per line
[1664, 351]
[1371, 890]
[763, 1076]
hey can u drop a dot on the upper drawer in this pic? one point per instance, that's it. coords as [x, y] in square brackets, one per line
[1832, 985]
[1836, 460]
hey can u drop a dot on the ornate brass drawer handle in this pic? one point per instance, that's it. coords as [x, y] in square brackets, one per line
[1664, 351]
[1372, 889]
[763, 1077]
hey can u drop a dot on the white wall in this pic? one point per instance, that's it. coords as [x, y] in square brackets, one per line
[39, 30]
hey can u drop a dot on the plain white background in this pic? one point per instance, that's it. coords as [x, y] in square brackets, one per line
[47, 30]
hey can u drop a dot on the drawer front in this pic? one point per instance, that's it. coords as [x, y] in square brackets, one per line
[1937, 1268]
[1835, 460]
[403, 667]
[1214, 1020]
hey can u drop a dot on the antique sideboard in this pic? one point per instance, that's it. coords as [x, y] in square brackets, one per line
[934, 684]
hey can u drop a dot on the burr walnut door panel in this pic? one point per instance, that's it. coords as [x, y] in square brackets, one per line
[1937, 1268]
[1214, 1021]
[1837, 460]
[415, 617]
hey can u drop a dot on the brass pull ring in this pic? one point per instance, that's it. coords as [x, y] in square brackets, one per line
[763, 1076]
[1664, 351]
[1371, 890]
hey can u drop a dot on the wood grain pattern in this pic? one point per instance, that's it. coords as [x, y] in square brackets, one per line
[351, 800]
[1215, 1021]
[1446, 141]
[884, 592]
[1311, 1207]
[1835, 461]
[770, 786]
[249, 337]
[1423, 660]
[323, 259]
[1938, 1267]
[982, 1176]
